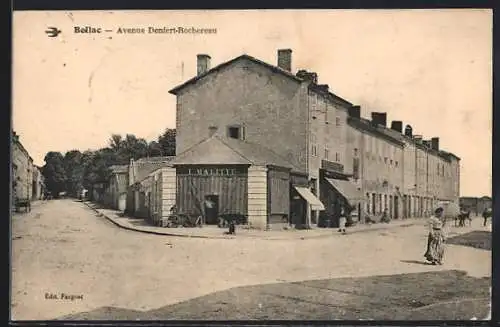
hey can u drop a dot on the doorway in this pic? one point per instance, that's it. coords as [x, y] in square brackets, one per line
[396, 207]
[211, 208]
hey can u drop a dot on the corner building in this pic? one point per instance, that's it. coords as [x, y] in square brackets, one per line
[258, 140]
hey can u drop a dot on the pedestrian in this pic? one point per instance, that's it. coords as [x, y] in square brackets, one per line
[342, 221]
[385, 216]
[486, 215]
[436, 238]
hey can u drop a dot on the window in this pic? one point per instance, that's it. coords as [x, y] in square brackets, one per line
[355, 168]
[337, 157]
[326, 154]
[236, 132]
[337, 121]
[391, 162]
[355, 152]
[396, 163]
[385, 160]
[313, 150]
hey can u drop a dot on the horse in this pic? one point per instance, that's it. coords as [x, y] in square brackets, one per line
[461, 218]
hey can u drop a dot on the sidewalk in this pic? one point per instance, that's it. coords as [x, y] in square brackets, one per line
[214, 232]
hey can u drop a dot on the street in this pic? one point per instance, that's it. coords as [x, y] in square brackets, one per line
[67, 260]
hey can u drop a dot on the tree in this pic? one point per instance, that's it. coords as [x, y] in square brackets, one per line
[74, 171]
[54, 173]
[155, 149]
[167, 142]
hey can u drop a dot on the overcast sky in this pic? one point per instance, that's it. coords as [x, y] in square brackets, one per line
[429, 68]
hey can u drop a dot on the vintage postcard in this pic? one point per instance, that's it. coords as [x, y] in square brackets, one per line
[252, 165]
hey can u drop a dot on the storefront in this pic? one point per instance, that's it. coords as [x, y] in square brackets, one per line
[339, 193]
[212, 190]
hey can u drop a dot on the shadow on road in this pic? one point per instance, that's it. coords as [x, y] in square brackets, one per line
[436, 295]
[475, 239]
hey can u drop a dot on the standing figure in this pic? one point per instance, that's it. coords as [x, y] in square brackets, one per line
[486, 214]
[342, 221]
[385, 216]
[436, 239]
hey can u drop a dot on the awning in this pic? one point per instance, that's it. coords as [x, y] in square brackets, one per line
[347, 189]
[310, 198]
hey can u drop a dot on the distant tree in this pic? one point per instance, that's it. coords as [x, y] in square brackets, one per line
[74, 171]
[155, 149]
[54, 173]
[167, 142]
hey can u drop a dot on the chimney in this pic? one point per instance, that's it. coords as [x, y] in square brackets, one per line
[397, 126]
[409, 131]
[355, 112]
[427, 143]
[308, 76]
[418, 138]
[285, 59]
[379, 118]
[435, 143]
[203, 63]
[323, 87]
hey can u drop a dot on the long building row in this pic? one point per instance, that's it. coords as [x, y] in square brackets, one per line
[282, 149]
[27, 180]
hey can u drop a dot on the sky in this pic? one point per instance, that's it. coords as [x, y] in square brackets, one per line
[431, 69]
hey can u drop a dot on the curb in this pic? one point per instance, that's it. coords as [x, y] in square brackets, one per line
[247, 236]
[153, 232]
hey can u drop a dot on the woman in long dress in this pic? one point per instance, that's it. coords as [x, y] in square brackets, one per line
[436, 238]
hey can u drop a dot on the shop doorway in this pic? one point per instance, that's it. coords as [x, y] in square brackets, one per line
[211, 208]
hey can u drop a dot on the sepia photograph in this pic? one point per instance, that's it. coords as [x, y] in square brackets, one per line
[251, 165]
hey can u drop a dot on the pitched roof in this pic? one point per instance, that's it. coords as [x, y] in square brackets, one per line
[116, 169]
[366, 125]
[228, 63]
[145, 166]
[218, 150]
[273, 68]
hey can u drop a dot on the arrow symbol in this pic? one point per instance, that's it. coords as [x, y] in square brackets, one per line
[53, 31]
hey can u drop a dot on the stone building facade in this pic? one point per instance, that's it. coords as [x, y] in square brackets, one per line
[348, 161]
[22, 170]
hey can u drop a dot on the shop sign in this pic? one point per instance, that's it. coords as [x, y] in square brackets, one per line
[212, 171]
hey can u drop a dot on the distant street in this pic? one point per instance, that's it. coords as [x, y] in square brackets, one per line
[63, 247]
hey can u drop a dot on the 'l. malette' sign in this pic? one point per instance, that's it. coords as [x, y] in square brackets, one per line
[211, 171]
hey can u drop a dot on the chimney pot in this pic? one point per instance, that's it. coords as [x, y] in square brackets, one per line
[203, 63]
[308, 76]
[323, 87]
[355, 112]
[435, 143]
[379, 118]
[285, 59]
[397, 126]
[409, 131]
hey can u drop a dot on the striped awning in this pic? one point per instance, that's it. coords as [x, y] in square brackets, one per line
[307, 195]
